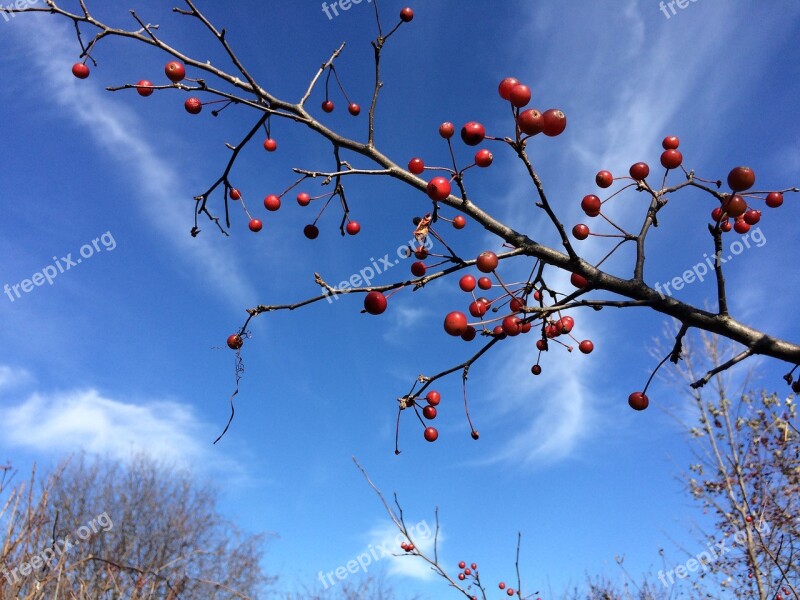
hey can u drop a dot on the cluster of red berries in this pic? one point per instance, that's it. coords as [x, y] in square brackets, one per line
[429, 411]
[407, 546]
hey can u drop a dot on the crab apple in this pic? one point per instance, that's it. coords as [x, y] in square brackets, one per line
[530, 122]
[604, 179]
[516, 304]
[175, 71]
[716, 214]
[462, 564]
[255, 225]
[510, 592]
[303, 199]
[511, 325]
[591, 205]
[421, 253]
[639, 171]
[483, 158]
[431, 434]
[270, 145]
[467, 571]
[438, 188]
[741, 178]
[579, 281]
[726, 225]
[774, 199]
[520, 95]
[311, 231]
[455, 323]
[586, 346]
[670, 142]
[734, 206]
[416, 166]
[505, 87]
[459, 222]
[446, 130]
[671, 159]
[433, 398]
[353, 227]
[418, 269]
[235, 194]
[461, 576]
[554, 122]
[501, 585]
[485, 283]
[144, 88]
[429, 412]
[473, 133]
[475, 435]
[327, 106]
[354, 109]
[375, 303]
[536, 370]
[741, 226]
[406, 14]
[486, 261]
[193, 105]
[235, 341]
[752, 216]
[541, 345]
[565, 324]
[478, 308]
[469, 334]
[580, 231]
[272, 202]
[80, 70]
[467, 283]
[498, 332]
[638, 401]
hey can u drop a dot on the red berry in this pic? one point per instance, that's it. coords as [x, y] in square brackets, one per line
[520, 95]
[541, 345]
[580, 231]
[501, 585]
[327, 106]
[421, 253]
[455, 323]
[536, 369]
[446, 130]
[565, 324]
[638, 401]
[516, 304]
[433, 397]
[473, 133]
[511, 325]
[579, 281]
[255, 225]
[751, 216]
[484, 283]
[530, 122]
[303, 199]
[467, 572]
[510, 591]
[270, 145]
[144, 87]
[554, 122]
[375, 303]
[80, 70]
[431, 434]
[354, 109]
[498, 332]
[462, 564]
[671, 159]
[438, 188]
[461, 576]
[479, 307]
[311, 231]
[734, 206]
[670, 143]
[586, 346]
[175, 71]
[639, 171]
[741, 226]
[469, 334]
[406, 15]
[716, 214]
[429, 412]
[741, 178]
[591, 205]
[483, 158]
[193, 105]
[475, 435]
[774, 199]
[459, 222]
[418, 269]
[487, 261]
[604, 179]
[353, 227]
[474, 566]
[272, 202]
[726, 225]
[505, 87]
[235, 341]
[416, 166]
[235, 194]
[467, 283]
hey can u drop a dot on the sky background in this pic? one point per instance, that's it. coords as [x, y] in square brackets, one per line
[126, 351]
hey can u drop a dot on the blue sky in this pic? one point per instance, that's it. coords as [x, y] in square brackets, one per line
[125, 349]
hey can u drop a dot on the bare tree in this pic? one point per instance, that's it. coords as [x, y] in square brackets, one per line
[511, 307]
